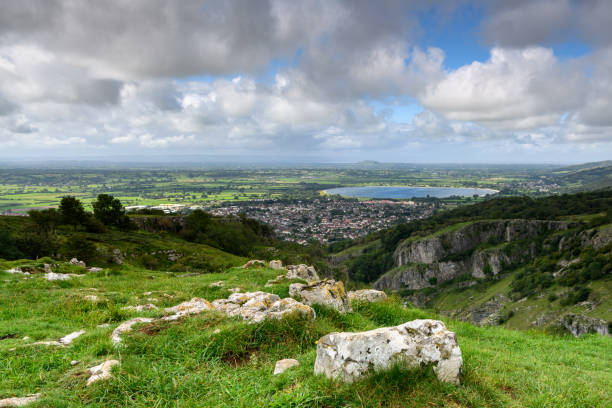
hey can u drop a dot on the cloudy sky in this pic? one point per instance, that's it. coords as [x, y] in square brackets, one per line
[310, 80]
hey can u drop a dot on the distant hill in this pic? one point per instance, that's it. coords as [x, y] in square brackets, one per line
[585, 176]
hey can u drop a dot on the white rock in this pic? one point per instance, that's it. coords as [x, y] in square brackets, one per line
[349, 355]
[140, 308]
[218, 284]
[193, 306]
[282, 365]
[258, 306]
[68, 339]
[102, 371]
[127, 327]
[276, 264]
[307, 273]
[91, 298]
[235, 290]
[253, 263]
[17, 271]
[366, 295]
[103, 325]
[76, 262]
[19, 401]
[47, 343]
[325, 292]
[95, 270]
[74, 362]
[47, 268]
[52, 276]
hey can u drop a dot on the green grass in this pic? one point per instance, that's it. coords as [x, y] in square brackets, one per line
[212, 360]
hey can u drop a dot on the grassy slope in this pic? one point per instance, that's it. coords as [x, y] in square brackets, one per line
[187, 364]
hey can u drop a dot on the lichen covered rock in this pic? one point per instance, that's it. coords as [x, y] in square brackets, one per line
[347, 356]
[127, 327]
[326, 292]
[307, 273]
[366, 295]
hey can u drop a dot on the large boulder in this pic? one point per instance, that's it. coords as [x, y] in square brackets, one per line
[307, 273]
[326, 292]
[366, 295]
[348, 356]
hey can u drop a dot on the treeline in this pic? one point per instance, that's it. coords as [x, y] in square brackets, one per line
[373, 263]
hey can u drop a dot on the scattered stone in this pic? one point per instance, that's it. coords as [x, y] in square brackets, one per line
[276, 264]
[127, 327]
[117, 256]
[147, 293]
[19, 401]
[283, 365]
[254, 263]
[74, 362]
[581, 324]
[26, 338]
[326, 292]
[258, 306]
[218, 284]
[68, 339]
[193, 306]
[17, 271]
[307, 273]
[103, 325]
[47, 343]
[101, 372]
[235, 290]
[366, 295]
[350, 355]
[91, 298]
[76, 262]
[47, 268]
[95, 269]
[216, 331]
[140, 308]
[52, 276]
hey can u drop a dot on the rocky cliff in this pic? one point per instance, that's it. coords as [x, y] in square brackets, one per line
[478, 249]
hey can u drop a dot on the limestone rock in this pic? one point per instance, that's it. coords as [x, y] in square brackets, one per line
[325, 292]
[254, 263]
[95, 270]
[19, 401]
[366, 295]
[76, 262]
[235, 290]
[68, 339]
[581, 324]
[52, 276]
[255, 307]
[102, 371]
[350, 355]
[47, 268]
[218, 284]
[127, 327]
[17, 271]
[307, 273]
[117, 256]
[193, 306]
[140, 308]
[276, 264]
[283, 365]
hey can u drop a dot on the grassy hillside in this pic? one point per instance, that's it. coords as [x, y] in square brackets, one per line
[586, 176]
[213, 360]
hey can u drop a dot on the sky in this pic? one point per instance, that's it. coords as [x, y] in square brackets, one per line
[488, 81]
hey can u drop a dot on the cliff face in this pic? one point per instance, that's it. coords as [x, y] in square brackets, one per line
[438, 258]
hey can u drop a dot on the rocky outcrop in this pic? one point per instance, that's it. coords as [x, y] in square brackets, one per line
[489, 313]
[258, 306]
[254, 263]
[426, 262]
[193, 306]
[307, 273]
[326, 292]
[578, 325]
[19, 401]
[283, 365]
[127, 327]
[347, 356]
[76, 262]
[276, 264]
[366, 295]
[101, 371]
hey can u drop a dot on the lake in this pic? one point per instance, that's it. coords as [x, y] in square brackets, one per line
[408, 192]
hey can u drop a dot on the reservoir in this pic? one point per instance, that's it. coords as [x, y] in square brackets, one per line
[408, 192]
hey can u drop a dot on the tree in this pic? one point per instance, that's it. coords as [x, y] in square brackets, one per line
[72, 211]
[108, 209]
[198, 221]
[45, 221]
